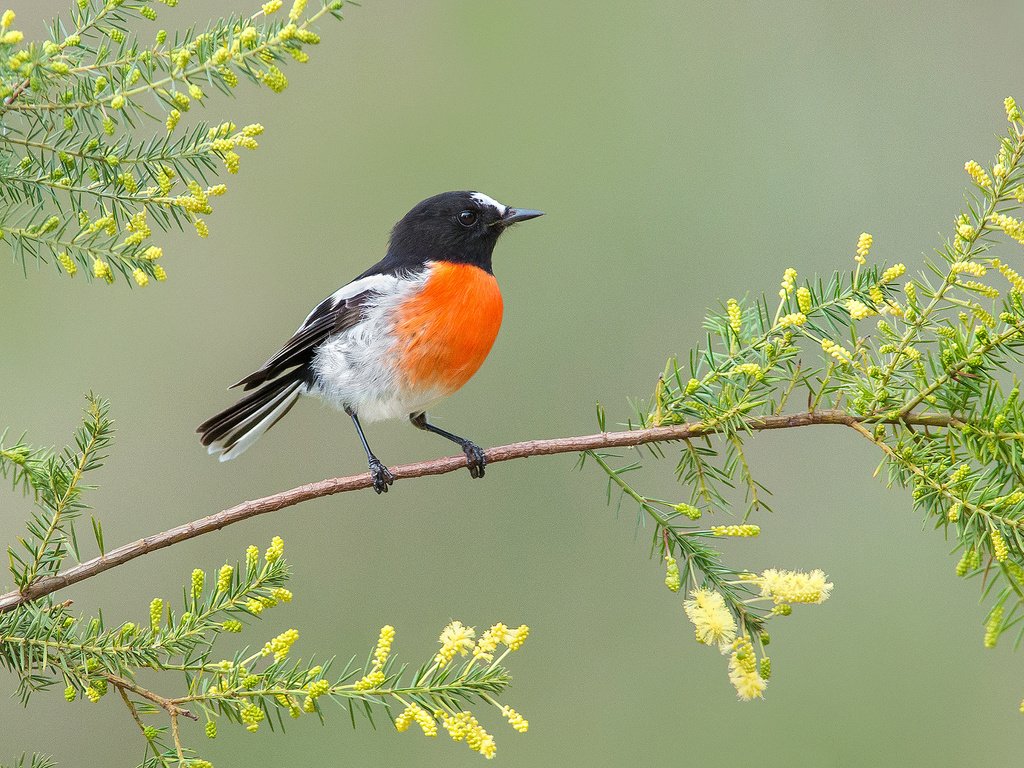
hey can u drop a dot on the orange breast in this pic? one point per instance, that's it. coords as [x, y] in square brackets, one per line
[446, 330]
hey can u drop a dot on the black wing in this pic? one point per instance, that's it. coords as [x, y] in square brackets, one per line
[331, 316]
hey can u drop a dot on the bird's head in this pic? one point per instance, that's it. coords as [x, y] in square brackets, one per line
[461, 227]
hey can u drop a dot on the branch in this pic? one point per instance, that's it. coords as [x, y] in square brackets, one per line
[167, 705]
[302, 493]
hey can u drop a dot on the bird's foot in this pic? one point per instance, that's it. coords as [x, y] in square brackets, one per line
[475, 459]
[381, 475]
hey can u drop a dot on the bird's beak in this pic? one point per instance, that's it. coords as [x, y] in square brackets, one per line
[513, 215]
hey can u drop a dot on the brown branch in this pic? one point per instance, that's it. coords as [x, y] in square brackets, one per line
[165, 704]
[290, 498]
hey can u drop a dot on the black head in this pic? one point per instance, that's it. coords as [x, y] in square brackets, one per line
[461, 227]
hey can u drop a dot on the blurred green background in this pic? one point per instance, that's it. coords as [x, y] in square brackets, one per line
[684, 152]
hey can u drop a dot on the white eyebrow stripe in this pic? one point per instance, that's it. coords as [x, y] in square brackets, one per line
[483, 199]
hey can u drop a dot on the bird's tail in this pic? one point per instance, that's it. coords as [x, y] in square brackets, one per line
[232, 431]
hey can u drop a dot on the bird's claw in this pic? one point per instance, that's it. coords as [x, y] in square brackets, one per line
[381, 476]
[475, 459]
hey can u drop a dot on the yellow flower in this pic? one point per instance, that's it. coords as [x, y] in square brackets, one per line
[794, 586]
[672, 578]
[455, 639]
[712, 620]
[967, 268]
[102, 270]
[839, 352]
[272, 7]
[156, 611]
[999, 549]
[735, 316]
[281, 644]
[1011, 275]
[743, 672]
[517, 721]
[198, 580]
[224, 576]
[7, 19]
[859, 310]
[788, 282]
[489, 641]
[515, 642]
[384, 642]
[993, 626]
[370, 681]
[748, 369]
[977, 173]
[275, 550]
[893, 272]
[69, 266]
[736, 530]
[1012, 112]
[864, 243]
[251, 716]
[297, 8]
[794, 318]
[803, 299]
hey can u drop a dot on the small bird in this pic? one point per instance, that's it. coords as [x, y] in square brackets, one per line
[401, 337]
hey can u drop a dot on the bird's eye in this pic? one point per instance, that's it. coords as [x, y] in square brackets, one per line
[467, 218]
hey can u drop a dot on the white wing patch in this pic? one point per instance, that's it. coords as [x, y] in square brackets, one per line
[490, 202]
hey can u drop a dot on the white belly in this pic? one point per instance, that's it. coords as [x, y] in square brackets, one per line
[357, 369]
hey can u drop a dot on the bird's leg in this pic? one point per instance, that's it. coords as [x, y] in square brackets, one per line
[475, 459]
[382, 477]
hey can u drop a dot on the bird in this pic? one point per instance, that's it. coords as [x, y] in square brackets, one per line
[395, 341]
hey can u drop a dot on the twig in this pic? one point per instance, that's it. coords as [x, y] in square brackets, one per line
[165, 704]
[302, 493]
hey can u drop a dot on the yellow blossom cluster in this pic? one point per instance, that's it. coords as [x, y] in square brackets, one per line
[281, 644]
[713, 623]
[463, 726]
[414, 713]
[1009, 225]
[376, 677]
[859, 310]
[976, 172]
[748, 369]
[736, 530]
[224, 576]
[455, 639]
[993, 627]
[837, 351]
[1000, 551]
[968, 268]
[732, 307]
[892, 273]
[275, 550]
[793, 586]
[793, 319]
[803, 299]
[1011, 275]
[788, 283]
[673, 580]
[743, 670]
[864, 243]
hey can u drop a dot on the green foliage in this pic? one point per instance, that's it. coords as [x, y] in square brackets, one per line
[83, 174]
[55, 482]
[924, 368]
[45, 646]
